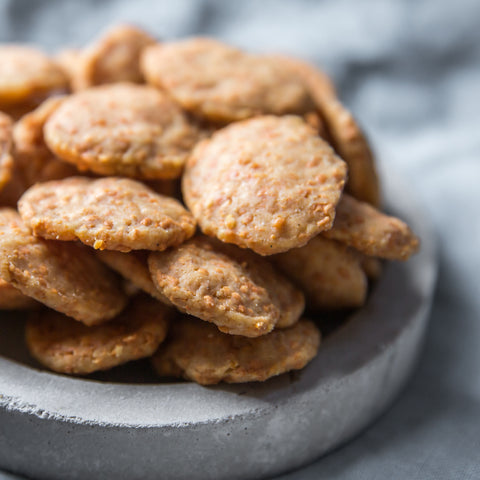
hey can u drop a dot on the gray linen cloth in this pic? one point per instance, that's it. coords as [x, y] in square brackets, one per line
[410, 71]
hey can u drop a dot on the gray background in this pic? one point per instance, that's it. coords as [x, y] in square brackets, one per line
[410, 71]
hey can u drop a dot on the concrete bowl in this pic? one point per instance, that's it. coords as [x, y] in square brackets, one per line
[55, 427]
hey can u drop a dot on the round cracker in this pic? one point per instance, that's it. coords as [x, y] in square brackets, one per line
[222, 83]
[197, 351]
[107, 213]
[62, 275]
[114, 57]
[33, 157]
[13, 299]
[6, 159]
[133, 266]
[363, 227]
[122, 129]
[318, 83]
[26, 74]
[64, 345]
[269, 184]
[343, 131]
[14, 188]
[372, 267]
[351, 144]
[68, 60]
[239, 292]
[329, 273]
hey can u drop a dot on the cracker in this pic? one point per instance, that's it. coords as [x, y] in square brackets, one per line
[34, 158]
[221, 83]
[14, 188]
[122, 129]
[64, 276]
[26, 75]
[341, 129]
[13, 299]
[318, 83]
[363, 227]
[351, 144]
[328, 272]
[107, 213]
[114, 57]
[133, 266]
[6, 159]
[64, 345]
[68, 59]
[269, 184]
[372, 267]
[236, 290]
[197, 351]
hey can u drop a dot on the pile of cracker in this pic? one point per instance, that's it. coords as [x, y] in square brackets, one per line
[184, 201]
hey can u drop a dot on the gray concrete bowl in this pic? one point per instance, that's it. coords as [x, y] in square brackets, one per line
[55, 427]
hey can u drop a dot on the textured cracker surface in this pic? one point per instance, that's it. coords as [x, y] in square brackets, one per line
[351, 144]
[13, 299]
[343, 131]
[6, 160]
[372, 232]
[221, 83]
[114, 57]
[26, 73]
[36, 162]
[133, 266]
[328, 272]
[269, 184]
[107, 213]
[122, 129]
[64, 345]
[197, 351]
[238, 291]
[62, 275]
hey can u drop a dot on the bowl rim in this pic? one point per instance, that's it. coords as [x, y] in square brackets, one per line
[67, 399]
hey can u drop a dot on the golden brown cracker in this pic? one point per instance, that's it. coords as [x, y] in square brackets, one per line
[107, 213]
[14, 188]
[6, 159]
[238, 291]
[363, 227]
[318, 83]
[122, 129]
[133, 266]
[62, 275]
[329, 273]
[197, 351]
[269, 184]
[372, 267]
[64, 345]
[342, 130]
[114, 57]
[27, 74]
[35, 160]
[221, 83]
[351, 144]
[68, 60]
[13, 299]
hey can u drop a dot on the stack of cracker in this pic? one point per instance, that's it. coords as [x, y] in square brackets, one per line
[184, 201]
